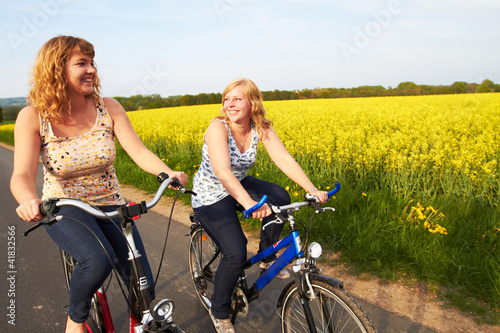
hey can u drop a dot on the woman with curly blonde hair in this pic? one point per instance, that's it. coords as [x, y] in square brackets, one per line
[223, 187]
[48, 82]
[71, 129]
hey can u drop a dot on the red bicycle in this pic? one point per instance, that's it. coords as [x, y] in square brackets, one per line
[145, 314]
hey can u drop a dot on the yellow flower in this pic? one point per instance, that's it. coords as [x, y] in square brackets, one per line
[364, 194]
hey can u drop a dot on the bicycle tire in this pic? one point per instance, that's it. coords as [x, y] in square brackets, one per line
[95, 321]
[202, 250]
[333, 310]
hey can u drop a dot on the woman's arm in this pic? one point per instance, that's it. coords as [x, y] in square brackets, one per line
[282, 158]
[26, 157]
[133, 145]
[218, 150]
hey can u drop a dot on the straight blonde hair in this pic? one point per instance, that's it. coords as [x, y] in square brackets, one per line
[254, 95]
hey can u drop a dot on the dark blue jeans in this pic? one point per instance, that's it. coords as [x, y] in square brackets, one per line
[220, 220]
[86, 247]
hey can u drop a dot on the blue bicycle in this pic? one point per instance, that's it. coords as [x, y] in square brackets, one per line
[312, 302]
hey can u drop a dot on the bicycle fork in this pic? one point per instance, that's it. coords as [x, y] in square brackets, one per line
[304, 295]
[157, 312]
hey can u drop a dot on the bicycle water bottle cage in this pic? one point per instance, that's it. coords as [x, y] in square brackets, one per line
[132, 211]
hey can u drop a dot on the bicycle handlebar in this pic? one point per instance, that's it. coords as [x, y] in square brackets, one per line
[309, 200]
[50, 207]
[335, 190]
[247, 213]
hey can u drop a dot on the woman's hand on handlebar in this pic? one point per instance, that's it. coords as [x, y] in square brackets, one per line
[29, 210]
[180, 176]
[262, 212]
[321, 195]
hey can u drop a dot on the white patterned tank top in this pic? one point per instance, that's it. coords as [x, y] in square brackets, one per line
[206, 183]
[81, 167]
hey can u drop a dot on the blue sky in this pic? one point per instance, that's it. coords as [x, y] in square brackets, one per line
[180, 47]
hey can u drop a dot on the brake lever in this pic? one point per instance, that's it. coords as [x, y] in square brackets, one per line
[175, 183]
[277, 221]
[314, 202]
[45, 221]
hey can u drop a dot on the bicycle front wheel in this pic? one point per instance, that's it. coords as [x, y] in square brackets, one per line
[204, 258]
[332, 310]
[95, 321]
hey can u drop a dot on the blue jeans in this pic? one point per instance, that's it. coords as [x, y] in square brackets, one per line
[220, 221]
[86, 247]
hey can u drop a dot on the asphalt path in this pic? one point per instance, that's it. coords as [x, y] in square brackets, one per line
[33, 294]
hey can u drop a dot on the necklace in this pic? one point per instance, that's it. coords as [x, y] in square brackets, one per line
[242, 143]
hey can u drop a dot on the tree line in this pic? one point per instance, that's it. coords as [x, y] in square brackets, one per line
[139, 102]
[155, 101]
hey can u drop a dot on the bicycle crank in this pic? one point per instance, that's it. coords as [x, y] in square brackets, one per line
[239, 302]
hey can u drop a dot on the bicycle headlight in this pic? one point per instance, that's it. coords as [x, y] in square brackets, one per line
[315, 250]
[162, 310]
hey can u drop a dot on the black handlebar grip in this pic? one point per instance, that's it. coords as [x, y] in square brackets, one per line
[44, 207]
[48, 207]
[175, 182]
[162, 177]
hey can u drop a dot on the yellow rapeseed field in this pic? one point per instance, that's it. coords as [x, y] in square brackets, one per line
[409, 138]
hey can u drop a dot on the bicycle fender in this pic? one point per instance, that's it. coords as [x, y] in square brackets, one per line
[321, 278]
[329, 280]
[283, 293]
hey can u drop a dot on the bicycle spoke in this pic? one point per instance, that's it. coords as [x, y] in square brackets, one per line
[203, 262]
[332, 310]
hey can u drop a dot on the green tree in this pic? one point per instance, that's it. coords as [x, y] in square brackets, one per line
[408, 88]
[1, 115]
[459, 87]
[186, 100]
[485, 87]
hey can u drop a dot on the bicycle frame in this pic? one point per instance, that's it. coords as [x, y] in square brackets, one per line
[140, 296]
[292, 242]
[106, 313]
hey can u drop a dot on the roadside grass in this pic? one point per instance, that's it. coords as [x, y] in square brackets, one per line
[7, 133]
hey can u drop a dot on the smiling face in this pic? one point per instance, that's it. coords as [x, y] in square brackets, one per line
[237, 106]
[80, 72]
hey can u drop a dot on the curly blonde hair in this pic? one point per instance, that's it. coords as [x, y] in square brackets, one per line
[48, 80]
[254, 95]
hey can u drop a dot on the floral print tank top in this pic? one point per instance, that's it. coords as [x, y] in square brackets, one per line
[81, 167]
[206, 183]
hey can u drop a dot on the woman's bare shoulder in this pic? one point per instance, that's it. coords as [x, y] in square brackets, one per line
[28, 119]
